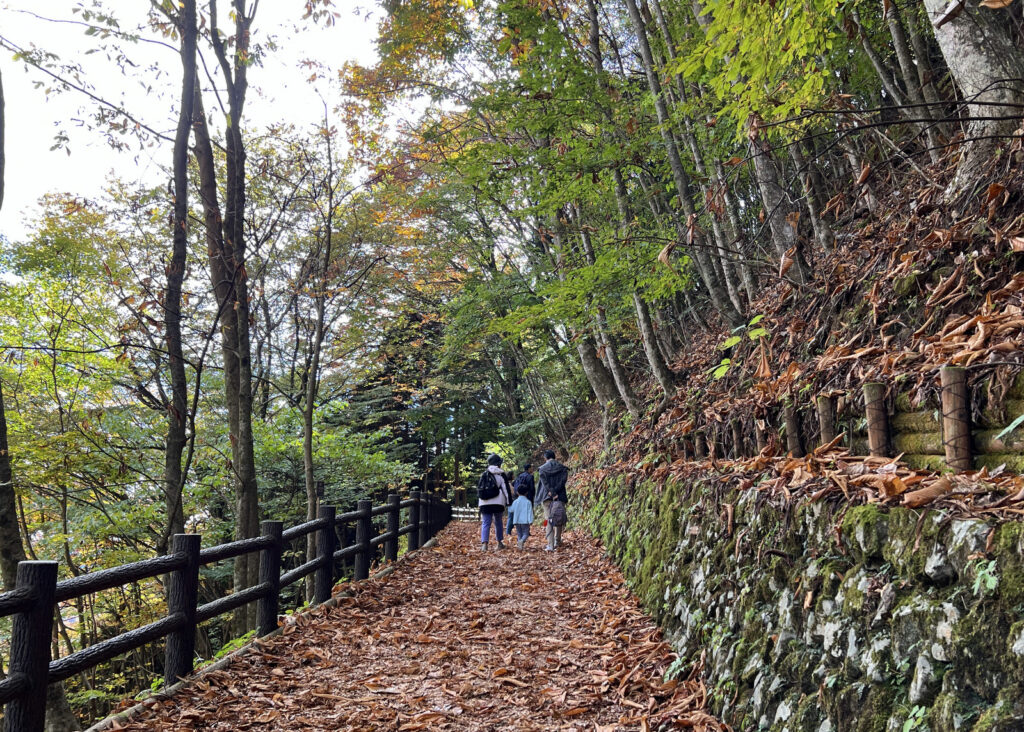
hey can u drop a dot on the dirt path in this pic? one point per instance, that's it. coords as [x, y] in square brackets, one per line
[457, 639]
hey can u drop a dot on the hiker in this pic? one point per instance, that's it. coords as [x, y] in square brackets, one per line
[521, 513]
[525, 478]
[552, 477]
[492, 492]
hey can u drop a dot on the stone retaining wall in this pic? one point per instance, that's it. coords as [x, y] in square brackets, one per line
[825, 617]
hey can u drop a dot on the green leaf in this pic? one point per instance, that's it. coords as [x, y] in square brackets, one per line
[757, 319]
[1011, 427]
[731, 341]
[757, 333]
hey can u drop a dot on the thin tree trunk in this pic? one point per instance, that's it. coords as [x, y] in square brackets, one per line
[177, 410]
[911, 81]
[313, 374]
[923, 65]
[234, 65]
[778, 207]
[822, 231]
[605, 339]
[11, 549]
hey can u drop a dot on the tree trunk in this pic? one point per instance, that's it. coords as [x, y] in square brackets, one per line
[911, 80]
[11, 549]
[234, 65]
[822, 231]
[177, 410]
[606, 342]
[650, 341]
[778, 208]
[313, 374]
[985, 62]
[3, 153]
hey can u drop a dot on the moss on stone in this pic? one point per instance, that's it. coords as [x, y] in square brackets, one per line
[1013, 462]
[1006, 715]
[919, 443]
[1017, 390]
[1008, 550]
[910, 542]
[926, 462]
[866, 528]
[918, 421]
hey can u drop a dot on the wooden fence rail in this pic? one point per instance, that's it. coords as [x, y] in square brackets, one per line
[37, 592]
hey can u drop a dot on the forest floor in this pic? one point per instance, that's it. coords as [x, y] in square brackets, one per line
[457, 639]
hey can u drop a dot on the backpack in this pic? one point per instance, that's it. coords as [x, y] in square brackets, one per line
[556, 514]
[487, 486]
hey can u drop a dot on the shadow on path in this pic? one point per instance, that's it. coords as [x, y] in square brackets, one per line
[457, 639]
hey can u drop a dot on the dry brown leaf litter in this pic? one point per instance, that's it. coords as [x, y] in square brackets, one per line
[457, 639]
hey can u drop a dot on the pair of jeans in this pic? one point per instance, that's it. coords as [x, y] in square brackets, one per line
[522, 534]
[486, 519]
[508, 525]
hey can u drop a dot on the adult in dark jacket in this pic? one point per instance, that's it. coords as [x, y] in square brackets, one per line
[524, 479]
[552, 477]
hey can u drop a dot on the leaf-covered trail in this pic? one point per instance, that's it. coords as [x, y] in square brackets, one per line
[457, 639]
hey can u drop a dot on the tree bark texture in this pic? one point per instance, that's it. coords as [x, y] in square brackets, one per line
[987, 65]
[779, 210]
[177, 410]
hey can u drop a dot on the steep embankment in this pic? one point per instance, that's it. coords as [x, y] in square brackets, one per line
[834, 592]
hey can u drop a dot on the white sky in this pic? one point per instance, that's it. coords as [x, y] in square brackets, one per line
[279, 91]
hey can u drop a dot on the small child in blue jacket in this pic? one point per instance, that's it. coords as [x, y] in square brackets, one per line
[521, 514]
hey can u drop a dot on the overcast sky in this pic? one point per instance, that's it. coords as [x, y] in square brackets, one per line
[279, 92]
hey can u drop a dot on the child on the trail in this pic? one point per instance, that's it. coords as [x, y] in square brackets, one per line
[521, 514]
[525, 478]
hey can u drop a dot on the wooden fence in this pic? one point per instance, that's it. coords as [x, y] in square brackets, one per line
[465, 513]
[37, 592]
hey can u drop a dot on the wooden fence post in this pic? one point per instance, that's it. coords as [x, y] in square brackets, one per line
[364, 532]
[760, 434]
[878, 419]
[700, 445]
[738, 448]
[391, 545]
[414, 521]
[826, 418]
[30, 647]
[794, 444]
[424, 517]
[270, 574]
[182, 599]
[956, 430]
[326, 543]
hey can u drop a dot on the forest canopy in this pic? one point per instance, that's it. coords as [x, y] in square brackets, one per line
[518, 208]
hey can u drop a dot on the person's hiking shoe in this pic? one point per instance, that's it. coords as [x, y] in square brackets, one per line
[500, 546]
[483, 546]
[549, 548]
